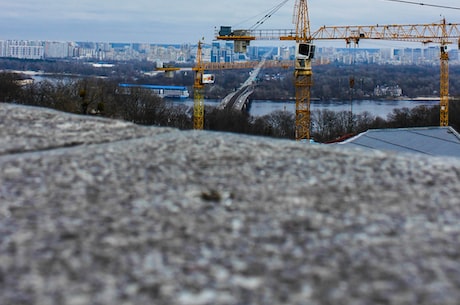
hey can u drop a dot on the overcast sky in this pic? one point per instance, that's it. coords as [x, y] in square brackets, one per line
[186, 21]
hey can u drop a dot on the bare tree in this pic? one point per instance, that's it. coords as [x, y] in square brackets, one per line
[9, 87]
[281, 124]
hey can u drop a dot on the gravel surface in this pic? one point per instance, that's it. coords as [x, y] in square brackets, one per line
[133, 215]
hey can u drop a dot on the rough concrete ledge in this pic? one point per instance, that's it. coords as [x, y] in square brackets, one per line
[135, 215]
[23, 130]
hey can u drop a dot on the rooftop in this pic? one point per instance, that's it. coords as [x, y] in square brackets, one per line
[433, 141]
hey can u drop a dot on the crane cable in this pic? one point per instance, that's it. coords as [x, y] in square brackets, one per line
[426, 4]
[268, 15]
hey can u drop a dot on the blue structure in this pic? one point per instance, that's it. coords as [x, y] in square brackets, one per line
[215, 52]
[160, 90]
[221, 52]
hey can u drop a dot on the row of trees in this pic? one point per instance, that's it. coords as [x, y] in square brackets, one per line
[94, 96]
[327, 125]
[100, 96]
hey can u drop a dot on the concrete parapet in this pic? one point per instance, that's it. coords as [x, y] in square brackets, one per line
[96, 211]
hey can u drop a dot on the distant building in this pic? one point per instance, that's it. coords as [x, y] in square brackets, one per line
[222, 52]
[4, 50]
[388, 91]
[454, 55]
[56, 49]
[23, 49]
[219, 51]
[215, 52]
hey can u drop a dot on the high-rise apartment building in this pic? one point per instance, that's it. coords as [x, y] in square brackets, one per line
[57, 49]
[23, 49]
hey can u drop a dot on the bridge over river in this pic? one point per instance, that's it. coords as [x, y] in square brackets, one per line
[238, 99]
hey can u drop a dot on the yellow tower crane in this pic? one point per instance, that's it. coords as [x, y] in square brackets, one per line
[303, 72]
[442, 33]
[198, 91]
[201, 78]
[305, 52]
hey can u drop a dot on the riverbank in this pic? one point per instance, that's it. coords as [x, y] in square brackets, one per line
[404, 98]
[379, 108]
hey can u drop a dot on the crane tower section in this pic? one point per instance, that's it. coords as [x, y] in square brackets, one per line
[198, 88]
[303, 73]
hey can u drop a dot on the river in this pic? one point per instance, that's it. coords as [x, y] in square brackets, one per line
[379, 108]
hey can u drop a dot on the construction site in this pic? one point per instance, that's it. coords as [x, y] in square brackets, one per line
[444, 34]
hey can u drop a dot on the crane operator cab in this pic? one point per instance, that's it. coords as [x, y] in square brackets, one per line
[304, 53]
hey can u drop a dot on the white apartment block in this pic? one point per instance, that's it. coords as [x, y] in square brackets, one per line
[57, 49]
[23, 49]
[27, 52]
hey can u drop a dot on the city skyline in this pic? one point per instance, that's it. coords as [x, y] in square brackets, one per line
[186, 21]
[217, 52]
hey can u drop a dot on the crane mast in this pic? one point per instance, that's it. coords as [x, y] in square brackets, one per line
[444, 82]
[198, 91]
[302, 21]
[303, 71]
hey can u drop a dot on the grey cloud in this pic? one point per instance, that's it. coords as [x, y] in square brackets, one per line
[185, 21]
